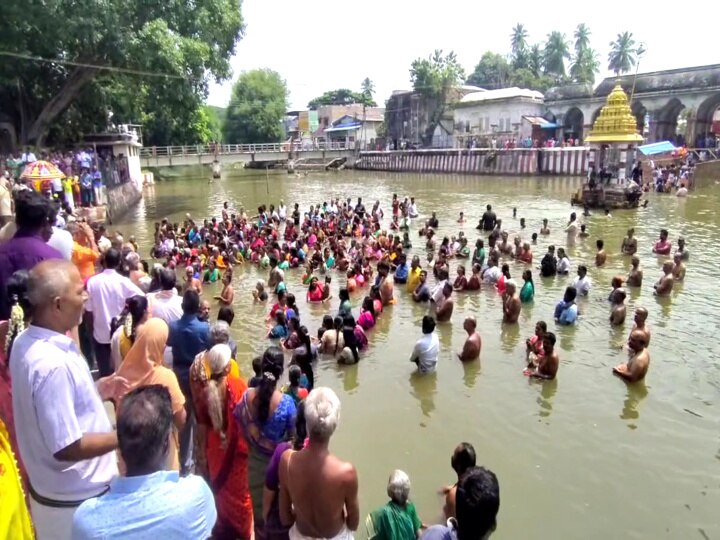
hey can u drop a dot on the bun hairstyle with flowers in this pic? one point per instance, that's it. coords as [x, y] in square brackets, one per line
[17, 287]
[135, 310]
[273, 360]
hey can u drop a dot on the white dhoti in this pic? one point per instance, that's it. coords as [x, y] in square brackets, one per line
[343, 534]
[51, 523]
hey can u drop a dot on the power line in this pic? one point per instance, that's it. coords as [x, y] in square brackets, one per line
[92, 66]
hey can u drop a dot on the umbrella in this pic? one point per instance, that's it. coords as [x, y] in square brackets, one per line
[41, 170]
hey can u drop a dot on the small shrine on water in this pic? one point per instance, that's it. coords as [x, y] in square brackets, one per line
[613, 140]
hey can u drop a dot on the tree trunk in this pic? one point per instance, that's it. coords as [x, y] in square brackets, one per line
[77, 80]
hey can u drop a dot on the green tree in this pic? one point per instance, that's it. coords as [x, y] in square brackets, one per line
[623, 53]
[585, 62]
[492, 72]
[519, 48]
[557, 50]
[535, 60]
[525, 78]
[434, 78]
[91, 49]
[367, 89]
[257, 106]
[341, 96]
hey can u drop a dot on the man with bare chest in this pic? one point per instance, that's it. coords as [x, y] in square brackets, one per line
[318, 491]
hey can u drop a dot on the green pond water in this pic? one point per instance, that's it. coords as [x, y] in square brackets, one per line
[583, 456]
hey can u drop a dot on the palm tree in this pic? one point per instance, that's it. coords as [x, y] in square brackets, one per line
[557, 50]
[535, 60]
[367, 89]
[623, 53]
[585, 65]
[518, 43]
[582, 38]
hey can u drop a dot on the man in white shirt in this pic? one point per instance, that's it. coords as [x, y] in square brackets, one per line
[437, 295]
[563, 265]
[107, 293]
[582, 282]
[427, 348]
[166, 304]
[28, 156]
[65, 438]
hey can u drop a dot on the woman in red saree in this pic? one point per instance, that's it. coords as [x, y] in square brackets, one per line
[226, 449]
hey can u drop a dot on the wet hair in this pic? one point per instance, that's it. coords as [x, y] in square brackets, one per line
[327, 323]
[549, 336]
[135, 307]
[542, 325]
[463, 458]
[600, 244]
[369, 305]
[227, 314]
[290, 301]
[257, 365]
[344, 295]
[305, 360]
[570, 294]
[300, 427]
[506, 270]
[218, 359]
[271, 371]
[477, 502]
[168, 279]
[294, 374]
[428, 324]
[338, 326]
[191, 302]
[144, 421]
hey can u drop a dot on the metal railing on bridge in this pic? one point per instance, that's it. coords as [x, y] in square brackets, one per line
[218, 149]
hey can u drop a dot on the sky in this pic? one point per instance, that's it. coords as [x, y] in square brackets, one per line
[320, 45]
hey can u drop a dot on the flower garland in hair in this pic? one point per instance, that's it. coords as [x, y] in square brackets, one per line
[269, 376]
[16, 323]
[128, 326]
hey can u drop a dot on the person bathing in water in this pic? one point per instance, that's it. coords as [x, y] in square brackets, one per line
[637, 366]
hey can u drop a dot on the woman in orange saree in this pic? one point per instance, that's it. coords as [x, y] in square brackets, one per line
[225, 447]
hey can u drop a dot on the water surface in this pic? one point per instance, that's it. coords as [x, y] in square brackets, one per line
[584, 456]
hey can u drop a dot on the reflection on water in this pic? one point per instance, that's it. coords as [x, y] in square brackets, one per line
[471, 371]
[548, 389]
[635, 394]
[424, 388]
[421, 417]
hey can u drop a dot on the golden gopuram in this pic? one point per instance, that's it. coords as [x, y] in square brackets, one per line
[616, 123]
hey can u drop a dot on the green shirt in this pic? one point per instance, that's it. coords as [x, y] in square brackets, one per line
[394, 522]
[211, 277]
[527, 292]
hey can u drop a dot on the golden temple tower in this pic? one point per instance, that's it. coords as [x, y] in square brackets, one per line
[616, 123]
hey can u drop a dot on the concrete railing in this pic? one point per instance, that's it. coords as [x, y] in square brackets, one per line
[213, 149]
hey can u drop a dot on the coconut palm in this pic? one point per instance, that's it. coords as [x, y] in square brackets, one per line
[623, 53]
[557, 50]
[582, 38]
[518, 43]
[367, 89]
[585, 65]
[535, 60]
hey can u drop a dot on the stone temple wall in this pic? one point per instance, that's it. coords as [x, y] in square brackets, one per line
[121, 198]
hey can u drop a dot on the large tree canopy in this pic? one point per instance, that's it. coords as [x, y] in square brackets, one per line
[492, 72]
[343, 96]
[57, 87]
[257, 106]
[434, 78]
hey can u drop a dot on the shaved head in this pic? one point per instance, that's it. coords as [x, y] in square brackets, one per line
[50, 279]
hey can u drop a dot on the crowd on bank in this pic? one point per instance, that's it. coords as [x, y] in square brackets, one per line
[203, 449]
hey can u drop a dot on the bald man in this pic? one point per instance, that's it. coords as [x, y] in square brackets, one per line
[664, 285]
[511, 303]
[640, 324]
[67, 442]
[473, 343]
[639, 362]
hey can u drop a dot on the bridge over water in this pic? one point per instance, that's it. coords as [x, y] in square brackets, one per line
[171, 156]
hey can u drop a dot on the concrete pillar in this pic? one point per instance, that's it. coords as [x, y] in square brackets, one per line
[622, 165]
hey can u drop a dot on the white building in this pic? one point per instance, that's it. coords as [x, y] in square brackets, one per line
[504, 114]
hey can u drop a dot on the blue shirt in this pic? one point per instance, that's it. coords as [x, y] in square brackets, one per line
[188, 336]
[566, 313]
[441, 532]
[155, 506]
[401, 273]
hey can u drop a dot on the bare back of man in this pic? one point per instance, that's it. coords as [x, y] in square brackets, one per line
[323, 490]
